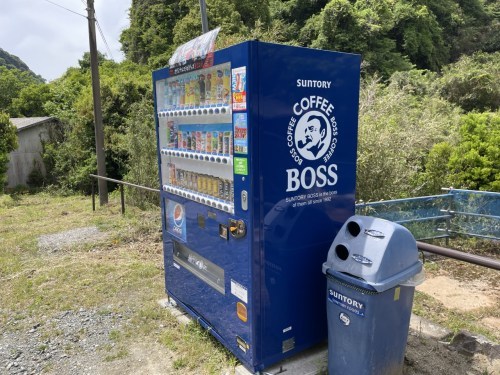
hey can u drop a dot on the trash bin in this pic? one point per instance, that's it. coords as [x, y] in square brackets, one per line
[372, 270]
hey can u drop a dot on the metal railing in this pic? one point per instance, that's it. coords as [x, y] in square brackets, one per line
[459, 255]
[457, 212]
[385, 209]
[121, 184]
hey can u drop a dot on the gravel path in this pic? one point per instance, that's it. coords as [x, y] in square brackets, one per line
[61, 240]
[70, 343]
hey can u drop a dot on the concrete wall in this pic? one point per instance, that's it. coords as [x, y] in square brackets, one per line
[27, 156]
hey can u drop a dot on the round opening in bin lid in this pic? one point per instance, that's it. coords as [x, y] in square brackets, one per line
[353, 228]
[342, 252]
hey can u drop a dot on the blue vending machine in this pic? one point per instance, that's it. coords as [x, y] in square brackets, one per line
[257, 158]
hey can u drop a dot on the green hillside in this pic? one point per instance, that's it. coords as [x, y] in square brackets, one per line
[14, 62]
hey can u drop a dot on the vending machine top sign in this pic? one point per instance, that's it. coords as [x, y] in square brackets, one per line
[195, 54]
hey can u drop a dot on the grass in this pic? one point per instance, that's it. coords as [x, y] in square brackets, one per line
[121, 273]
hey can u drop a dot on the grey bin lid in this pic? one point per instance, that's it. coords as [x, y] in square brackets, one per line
[382, 253]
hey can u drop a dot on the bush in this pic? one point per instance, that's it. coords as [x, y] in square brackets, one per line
[143, 161]
[475, 161]
[8, 143]
[399, 124]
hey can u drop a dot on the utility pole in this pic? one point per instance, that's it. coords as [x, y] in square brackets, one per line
[204, 20]
[96, 92]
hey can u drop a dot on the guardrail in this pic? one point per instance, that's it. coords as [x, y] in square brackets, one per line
[373, 209]
[457, 212]
[121, 184]
[459, 255]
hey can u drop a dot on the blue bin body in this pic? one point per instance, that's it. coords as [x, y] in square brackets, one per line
[367, 330]
[372, 269]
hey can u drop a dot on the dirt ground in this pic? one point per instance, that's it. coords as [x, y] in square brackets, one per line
[425, 355]
[77, 349]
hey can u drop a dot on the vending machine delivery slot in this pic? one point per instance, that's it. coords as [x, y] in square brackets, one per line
[257, 161]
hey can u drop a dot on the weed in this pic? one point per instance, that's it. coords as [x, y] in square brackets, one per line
[180, 363]
[115, 335]
[120, 353]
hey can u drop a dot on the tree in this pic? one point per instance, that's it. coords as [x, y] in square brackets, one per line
[419, 35]
[358, 27]
[473, 82]
[72, 154]
[151, 29]
[8, 143]
[31, 101]
[12, 81]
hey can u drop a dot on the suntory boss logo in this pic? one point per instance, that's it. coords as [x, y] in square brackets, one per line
[312, 135]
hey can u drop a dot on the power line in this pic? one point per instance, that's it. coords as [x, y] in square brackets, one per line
[97, 23]
[69, 10]
[104, 39]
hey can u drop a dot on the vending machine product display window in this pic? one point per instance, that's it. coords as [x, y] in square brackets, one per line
[257, 158]
[196, 136]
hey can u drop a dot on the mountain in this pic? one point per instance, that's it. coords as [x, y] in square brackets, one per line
[14, 62]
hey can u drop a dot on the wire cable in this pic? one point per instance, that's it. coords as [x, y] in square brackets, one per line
[104, 39]
[96, 21]
[69, 10]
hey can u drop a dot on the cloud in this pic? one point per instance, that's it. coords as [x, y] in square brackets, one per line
[51, 39]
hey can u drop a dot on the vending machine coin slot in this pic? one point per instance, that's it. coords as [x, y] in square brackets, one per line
[237, 228]
[244, 200]
[223, 232]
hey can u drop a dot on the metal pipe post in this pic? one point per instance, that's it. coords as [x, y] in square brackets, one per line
[459, 255]
[204, 19]
[122, 197]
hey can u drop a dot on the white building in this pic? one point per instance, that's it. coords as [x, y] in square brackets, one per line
[31, 131]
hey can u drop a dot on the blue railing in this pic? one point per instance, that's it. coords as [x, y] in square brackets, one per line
[457, 212]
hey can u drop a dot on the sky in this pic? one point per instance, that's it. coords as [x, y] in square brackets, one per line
[50, 39]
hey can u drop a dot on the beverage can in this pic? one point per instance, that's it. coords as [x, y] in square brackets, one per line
[184, 140]
[227, 86]
[215, 142]
[198, 141]
[203, 142]
[227, 190]
[179, 139]
[220, 193]
[199, 183]
[215, 187]
[171, 174]
[193, 181]
[208, 143]
[221, 142]
[188, 140]
[226, 143]
[208, 89]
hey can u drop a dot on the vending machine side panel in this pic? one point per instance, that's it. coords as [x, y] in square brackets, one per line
[308, 105]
